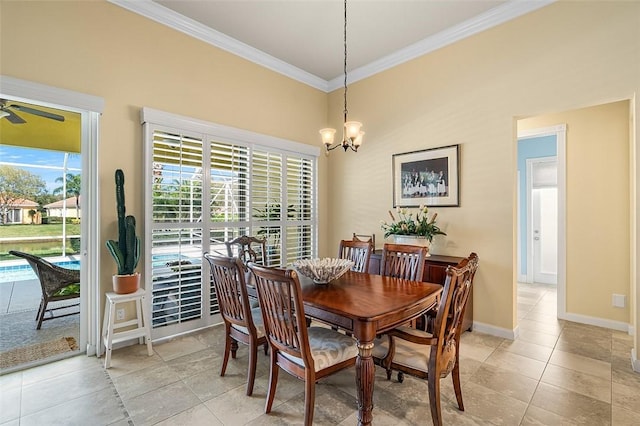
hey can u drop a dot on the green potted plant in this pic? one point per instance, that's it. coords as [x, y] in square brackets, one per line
[125, 251]
[410, 229]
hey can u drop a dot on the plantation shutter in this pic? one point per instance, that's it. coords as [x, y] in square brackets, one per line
[266, 202]
[300, 199]
[206, 184]
[176, 235]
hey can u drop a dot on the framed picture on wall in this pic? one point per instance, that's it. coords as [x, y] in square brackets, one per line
[430, 177]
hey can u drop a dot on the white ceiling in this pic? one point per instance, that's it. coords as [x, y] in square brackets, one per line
[303, 39]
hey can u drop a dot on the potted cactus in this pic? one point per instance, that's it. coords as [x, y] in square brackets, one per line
[125, 251]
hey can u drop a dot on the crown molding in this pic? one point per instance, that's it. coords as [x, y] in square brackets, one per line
[475, 25]
[491, 18]
[168, 17]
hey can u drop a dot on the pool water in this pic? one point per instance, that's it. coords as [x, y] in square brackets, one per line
[10, 273]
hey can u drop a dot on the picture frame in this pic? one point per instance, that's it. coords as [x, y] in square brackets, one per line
[429, 177]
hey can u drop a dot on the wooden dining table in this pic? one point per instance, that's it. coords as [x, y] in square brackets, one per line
[366, 305]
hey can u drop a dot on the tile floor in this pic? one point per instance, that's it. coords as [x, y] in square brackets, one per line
[556, 373]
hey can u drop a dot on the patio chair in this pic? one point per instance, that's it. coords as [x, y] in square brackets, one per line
[57, 284]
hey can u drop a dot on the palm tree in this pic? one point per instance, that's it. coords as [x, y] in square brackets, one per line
[73, 185]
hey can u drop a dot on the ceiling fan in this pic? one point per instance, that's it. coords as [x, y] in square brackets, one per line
[6, 111]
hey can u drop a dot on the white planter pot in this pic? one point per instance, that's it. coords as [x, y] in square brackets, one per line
[413, 240]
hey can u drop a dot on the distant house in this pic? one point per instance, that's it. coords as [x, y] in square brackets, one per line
[57, 209]
[18, 212]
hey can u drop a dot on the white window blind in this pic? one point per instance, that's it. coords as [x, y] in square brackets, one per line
[209, 180]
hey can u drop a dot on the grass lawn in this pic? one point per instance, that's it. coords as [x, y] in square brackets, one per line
[16, 231]
[10, 239]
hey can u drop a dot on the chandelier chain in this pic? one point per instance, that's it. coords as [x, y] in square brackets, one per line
[345, 60]
[351, 130]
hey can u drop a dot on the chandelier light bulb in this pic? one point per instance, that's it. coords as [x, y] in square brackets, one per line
[352, 129]
[327, 135]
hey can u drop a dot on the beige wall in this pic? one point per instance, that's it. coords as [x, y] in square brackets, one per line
[598, 207]
[101, 49]
[565, 56]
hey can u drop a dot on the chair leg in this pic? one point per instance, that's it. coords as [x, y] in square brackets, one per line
[227, 349]
[41, 312]
[39, 308]
[434, 396]
[387, 361]
[273, 382]
[309, 396]
[234, 348]
[266, 348]
[455, 376]
[253, 358]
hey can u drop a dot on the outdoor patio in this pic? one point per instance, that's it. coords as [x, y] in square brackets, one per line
[19, 302]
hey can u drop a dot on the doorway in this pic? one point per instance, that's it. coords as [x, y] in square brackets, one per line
[87, 109]
[541, 209]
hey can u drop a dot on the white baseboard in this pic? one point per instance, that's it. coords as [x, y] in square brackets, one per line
[91, 350]
[522, 278]
[598, 322]
[635, 362]
[505, 333]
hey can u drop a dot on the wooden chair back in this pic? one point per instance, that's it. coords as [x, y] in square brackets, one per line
[410, 350]
[358, 251]
[248, 249]
[367, 238]
[242, 323]
[292, 343]
[448, 322]
[403, 261]
[227, 276]
[282, 308]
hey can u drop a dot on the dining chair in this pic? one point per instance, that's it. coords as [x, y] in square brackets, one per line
[57, 284]
[358, 251]
[242, 323]
[433, 354]
[308, 353]
[403, 261]
[248, 249]
[367, 238]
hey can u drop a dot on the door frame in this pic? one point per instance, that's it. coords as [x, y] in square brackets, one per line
[89, 107]
[560, 132]
[529, 240]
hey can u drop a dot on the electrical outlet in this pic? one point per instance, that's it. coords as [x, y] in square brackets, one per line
[120, 314]
[618, 300]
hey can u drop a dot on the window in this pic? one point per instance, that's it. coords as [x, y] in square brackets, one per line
[208, 184]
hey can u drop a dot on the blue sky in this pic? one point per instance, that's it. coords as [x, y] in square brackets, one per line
[29, 158]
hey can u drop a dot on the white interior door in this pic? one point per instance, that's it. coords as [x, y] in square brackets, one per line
[545, 235]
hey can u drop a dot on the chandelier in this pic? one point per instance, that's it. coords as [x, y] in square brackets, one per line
[351, 133]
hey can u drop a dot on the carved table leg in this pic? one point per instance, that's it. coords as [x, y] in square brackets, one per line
[365, 376]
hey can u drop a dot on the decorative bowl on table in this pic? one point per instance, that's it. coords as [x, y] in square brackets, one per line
[323, 271]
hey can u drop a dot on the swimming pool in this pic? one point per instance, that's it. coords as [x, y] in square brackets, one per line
[23, 272]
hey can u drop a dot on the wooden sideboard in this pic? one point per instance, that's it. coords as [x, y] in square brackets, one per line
[435, 267]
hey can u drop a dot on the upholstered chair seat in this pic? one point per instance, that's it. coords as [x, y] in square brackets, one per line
[327, 348]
